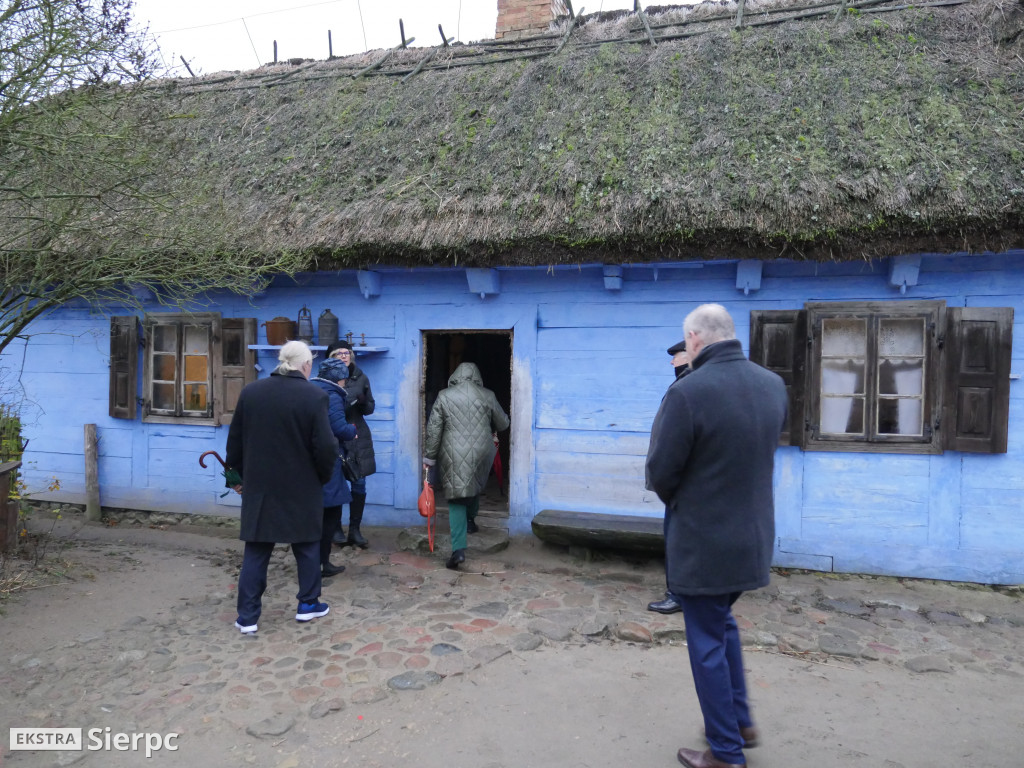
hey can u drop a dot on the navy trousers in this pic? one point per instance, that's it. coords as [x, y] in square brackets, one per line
[252, 581]
[716, 659]
[332, 519]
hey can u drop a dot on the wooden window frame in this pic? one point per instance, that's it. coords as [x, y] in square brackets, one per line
[932, 316]
[210, 320]
[968, 354]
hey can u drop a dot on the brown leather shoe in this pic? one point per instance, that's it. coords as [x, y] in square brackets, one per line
[750, 735]
[694, 759]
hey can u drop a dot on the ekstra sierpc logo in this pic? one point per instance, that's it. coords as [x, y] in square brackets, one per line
[96, 739]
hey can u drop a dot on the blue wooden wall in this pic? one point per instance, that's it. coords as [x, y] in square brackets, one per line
[589, 370]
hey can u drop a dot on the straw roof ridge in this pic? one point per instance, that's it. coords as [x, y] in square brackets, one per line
[824, 138]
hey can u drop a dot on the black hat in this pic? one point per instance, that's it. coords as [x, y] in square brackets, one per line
[342, 344]
[675, 349]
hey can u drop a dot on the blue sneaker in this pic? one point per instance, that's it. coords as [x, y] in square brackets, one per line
[246, 629]
[309, 611]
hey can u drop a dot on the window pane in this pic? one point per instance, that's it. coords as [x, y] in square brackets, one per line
[163, 396]
[163, 367]
[842, 377]
[898, 337]
[195, 368]
[233, 346]
[165, 338]
[843, 337]
[197, 340]
[842, 415]
[195, 397]
[901, 377]
[900, 416]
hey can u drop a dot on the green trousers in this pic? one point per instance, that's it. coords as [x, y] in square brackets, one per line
[459, 511]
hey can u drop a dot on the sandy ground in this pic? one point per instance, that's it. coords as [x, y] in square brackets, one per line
[569, 704]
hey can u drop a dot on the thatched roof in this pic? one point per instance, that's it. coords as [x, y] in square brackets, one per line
[844, 136]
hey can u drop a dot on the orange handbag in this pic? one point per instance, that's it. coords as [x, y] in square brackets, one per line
[427, 510]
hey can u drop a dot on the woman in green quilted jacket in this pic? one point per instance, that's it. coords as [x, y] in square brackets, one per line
[463, 423]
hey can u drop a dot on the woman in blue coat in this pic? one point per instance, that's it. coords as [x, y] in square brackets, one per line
[331, 378]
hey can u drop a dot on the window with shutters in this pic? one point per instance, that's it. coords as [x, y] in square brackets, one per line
[194, 366]
[899, 377]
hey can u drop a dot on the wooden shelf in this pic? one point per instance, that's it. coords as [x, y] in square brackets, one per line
[359, 350]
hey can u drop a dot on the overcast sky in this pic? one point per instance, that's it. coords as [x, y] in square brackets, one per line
[216, 35]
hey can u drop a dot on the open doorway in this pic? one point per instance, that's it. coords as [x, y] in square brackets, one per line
[492, 352]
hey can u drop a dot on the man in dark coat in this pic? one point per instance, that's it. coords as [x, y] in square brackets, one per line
[711, 460]
[280, 443]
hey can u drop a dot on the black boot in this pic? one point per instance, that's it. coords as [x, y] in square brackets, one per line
[328, 569]
[471, 526]
[339, 537]
[458, 556]
[355, 519]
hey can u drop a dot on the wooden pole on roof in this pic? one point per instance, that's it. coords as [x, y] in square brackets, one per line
[565, 37]
[643, 18]
[739, 14]
[330, 47]
[841, 10]
[187, 66]
[377, 64]
[424, 61]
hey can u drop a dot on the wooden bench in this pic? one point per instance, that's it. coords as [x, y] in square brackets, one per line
[598, 530]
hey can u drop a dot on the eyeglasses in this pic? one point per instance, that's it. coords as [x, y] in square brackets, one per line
[341, 353]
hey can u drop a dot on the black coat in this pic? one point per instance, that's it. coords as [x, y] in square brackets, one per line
[711, 460]
[281, 443]
[360, 403]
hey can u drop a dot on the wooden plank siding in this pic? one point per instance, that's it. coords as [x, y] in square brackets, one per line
[589, 370]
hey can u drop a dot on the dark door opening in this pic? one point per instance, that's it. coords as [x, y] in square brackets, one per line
[492, 353]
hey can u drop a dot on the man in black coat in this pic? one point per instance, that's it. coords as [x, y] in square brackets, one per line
[711, 460]
[280, 442]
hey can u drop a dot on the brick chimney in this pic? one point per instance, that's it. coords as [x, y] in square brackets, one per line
[524, 18]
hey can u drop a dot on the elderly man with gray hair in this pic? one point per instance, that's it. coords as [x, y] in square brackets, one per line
[280, 442]
[711, 460]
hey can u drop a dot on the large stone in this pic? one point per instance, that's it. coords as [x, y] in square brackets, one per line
[488, 653]
[272, 726]
[929, 664]
[550, 630]
[526, 641]
[593, 628]
[849, 607]
[670, 635]
[324, 708]
[488, 541]
[413, 680]
[443, 649]
[834, 645]
[369, 695]
[632, 632]
[494, 610]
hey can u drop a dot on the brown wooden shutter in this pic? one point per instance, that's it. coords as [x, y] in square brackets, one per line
[976, 401]
[124, 363]
[235, 363]
[778, 342]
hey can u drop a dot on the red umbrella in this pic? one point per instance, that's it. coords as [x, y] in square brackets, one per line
[497, 467]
